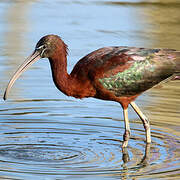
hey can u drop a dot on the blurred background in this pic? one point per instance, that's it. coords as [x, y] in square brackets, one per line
[45, 134]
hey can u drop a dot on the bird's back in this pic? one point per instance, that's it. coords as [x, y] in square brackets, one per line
[127, 71]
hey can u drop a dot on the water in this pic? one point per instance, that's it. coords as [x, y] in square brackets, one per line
[46, 135]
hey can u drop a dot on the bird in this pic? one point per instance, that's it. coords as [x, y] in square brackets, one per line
[113, 73]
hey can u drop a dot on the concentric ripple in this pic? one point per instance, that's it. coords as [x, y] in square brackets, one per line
[42, 141]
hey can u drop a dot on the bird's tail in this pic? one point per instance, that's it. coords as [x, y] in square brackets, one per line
[176, 78]
[176, 59]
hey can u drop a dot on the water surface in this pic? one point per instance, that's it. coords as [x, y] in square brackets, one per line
[46, 135]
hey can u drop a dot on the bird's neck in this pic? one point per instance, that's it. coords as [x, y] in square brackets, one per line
[63, 81]
[69, 84]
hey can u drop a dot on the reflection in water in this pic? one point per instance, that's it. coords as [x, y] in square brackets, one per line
[53, 138]
[144, 162]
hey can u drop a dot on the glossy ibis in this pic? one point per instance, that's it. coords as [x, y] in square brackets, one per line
[117, 73]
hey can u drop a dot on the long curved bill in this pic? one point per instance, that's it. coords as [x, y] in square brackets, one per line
[26, 64]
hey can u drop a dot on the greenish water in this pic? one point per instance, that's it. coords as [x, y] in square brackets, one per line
[46, 135]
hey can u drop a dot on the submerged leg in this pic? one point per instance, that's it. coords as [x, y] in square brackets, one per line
[127, 128]
[144, 120]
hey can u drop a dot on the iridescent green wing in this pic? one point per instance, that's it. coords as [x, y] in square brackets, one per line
[149, 67]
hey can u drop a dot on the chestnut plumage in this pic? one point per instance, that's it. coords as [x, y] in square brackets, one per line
[117, 73]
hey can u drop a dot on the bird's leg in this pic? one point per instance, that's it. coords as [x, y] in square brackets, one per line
[144, 120]
[127, 128]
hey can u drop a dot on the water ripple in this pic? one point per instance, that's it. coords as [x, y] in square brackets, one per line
[55, 145]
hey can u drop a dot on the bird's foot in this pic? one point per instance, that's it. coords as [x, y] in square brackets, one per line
[126, 137]
[147, 130]
[124, 144]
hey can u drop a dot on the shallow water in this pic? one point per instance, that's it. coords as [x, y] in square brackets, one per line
[46, 135]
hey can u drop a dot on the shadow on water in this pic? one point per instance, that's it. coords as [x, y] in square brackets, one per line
[56, 137]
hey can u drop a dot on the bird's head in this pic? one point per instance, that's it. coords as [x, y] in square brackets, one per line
[45, 48]
[47, 45]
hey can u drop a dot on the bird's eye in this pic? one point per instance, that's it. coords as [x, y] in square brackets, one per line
[41, 47]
